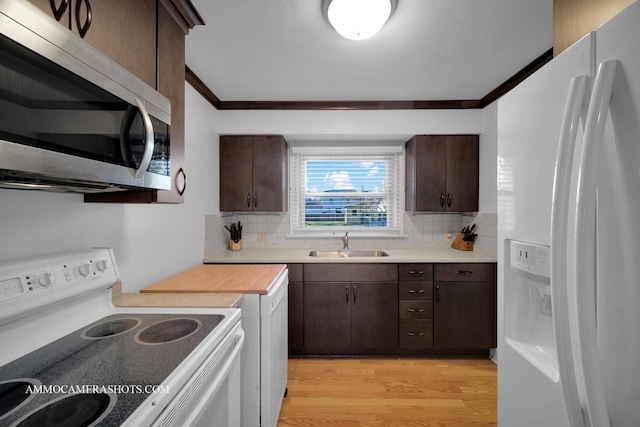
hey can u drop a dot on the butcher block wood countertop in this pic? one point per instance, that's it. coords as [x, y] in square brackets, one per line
[221, 278]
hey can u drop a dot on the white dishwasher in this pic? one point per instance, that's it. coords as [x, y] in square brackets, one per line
[265, 354]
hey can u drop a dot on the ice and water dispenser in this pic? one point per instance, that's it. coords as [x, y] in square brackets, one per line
[527, 305]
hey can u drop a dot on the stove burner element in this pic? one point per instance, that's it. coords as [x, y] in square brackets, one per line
[14, 394]
[76, 410]
[167, 331]
[111, 328]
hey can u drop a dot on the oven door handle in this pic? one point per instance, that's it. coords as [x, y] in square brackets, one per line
[149, 140]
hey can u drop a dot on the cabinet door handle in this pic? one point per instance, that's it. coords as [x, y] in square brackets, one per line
[184, 181]
[354, 293]
[255, 200]
[416, 273]
[82, 29]
[413, 310]
[415, 334]
[437, 295]
[248, 200]
[442, 200]
[449, 200]
[463, 272]
[59, 11]
[347, 293]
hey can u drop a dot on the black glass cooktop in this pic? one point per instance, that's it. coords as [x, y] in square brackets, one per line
[101, 373]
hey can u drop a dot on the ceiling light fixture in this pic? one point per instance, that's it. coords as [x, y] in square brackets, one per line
[358, 19]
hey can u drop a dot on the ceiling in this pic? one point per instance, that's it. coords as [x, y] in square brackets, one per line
[284, 50]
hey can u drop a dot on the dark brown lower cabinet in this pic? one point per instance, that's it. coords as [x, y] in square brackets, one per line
[296, 312]
[344, 316]
[327, 315]
[392, 309]
[464, 315]
[374, 316]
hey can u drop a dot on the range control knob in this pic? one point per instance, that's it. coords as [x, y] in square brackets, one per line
[84, 270]
[44, 280]
[101, 265]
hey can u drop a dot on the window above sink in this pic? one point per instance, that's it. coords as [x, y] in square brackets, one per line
[346, 188]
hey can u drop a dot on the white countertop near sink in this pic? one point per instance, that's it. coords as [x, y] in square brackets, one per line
[436, 254]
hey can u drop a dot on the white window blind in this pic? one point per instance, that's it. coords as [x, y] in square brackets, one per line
[353, 188]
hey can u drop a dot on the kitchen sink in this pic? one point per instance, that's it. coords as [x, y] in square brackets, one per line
[347, 254]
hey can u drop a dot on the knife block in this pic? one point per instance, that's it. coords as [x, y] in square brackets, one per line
[235, 246]
[460, 244]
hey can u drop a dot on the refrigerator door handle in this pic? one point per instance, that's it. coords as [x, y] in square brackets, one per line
[585, 271]
[573, 109]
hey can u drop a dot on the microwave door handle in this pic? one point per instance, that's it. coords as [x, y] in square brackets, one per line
[149, 140]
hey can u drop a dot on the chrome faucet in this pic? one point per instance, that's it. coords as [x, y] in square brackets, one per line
[345, 240]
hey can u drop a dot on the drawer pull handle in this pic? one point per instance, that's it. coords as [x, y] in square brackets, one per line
[415, 334]
[421, 291]
[413, 310]
[416, 273]
[463, 272]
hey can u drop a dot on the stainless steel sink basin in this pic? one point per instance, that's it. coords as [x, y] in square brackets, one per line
[347, 254]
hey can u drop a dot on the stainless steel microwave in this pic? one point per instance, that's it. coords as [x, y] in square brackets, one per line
[72, 119]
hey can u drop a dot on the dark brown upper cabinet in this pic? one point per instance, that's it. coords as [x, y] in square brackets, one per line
[129, 38]
[442, 173]
[124, 30]
[253, 173]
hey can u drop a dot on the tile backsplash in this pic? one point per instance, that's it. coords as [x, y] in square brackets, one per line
[272, 231]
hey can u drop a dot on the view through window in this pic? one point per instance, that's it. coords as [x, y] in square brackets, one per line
[346, 191]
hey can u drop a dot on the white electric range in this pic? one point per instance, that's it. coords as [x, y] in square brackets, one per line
[69, 357]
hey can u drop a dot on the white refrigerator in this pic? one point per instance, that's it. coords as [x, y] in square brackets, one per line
[569, 236]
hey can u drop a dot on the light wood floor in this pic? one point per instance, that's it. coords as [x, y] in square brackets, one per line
[390, 393]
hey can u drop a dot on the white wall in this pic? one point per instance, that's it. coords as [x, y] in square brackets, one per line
[489, 160]
[150, 241]
[350, 123]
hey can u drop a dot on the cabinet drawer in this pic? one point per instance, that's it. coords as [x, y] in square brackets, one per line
[350, 272]
[415, 273]
[464, 272]
[416, 310]
[416, 333]
[415, 291]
